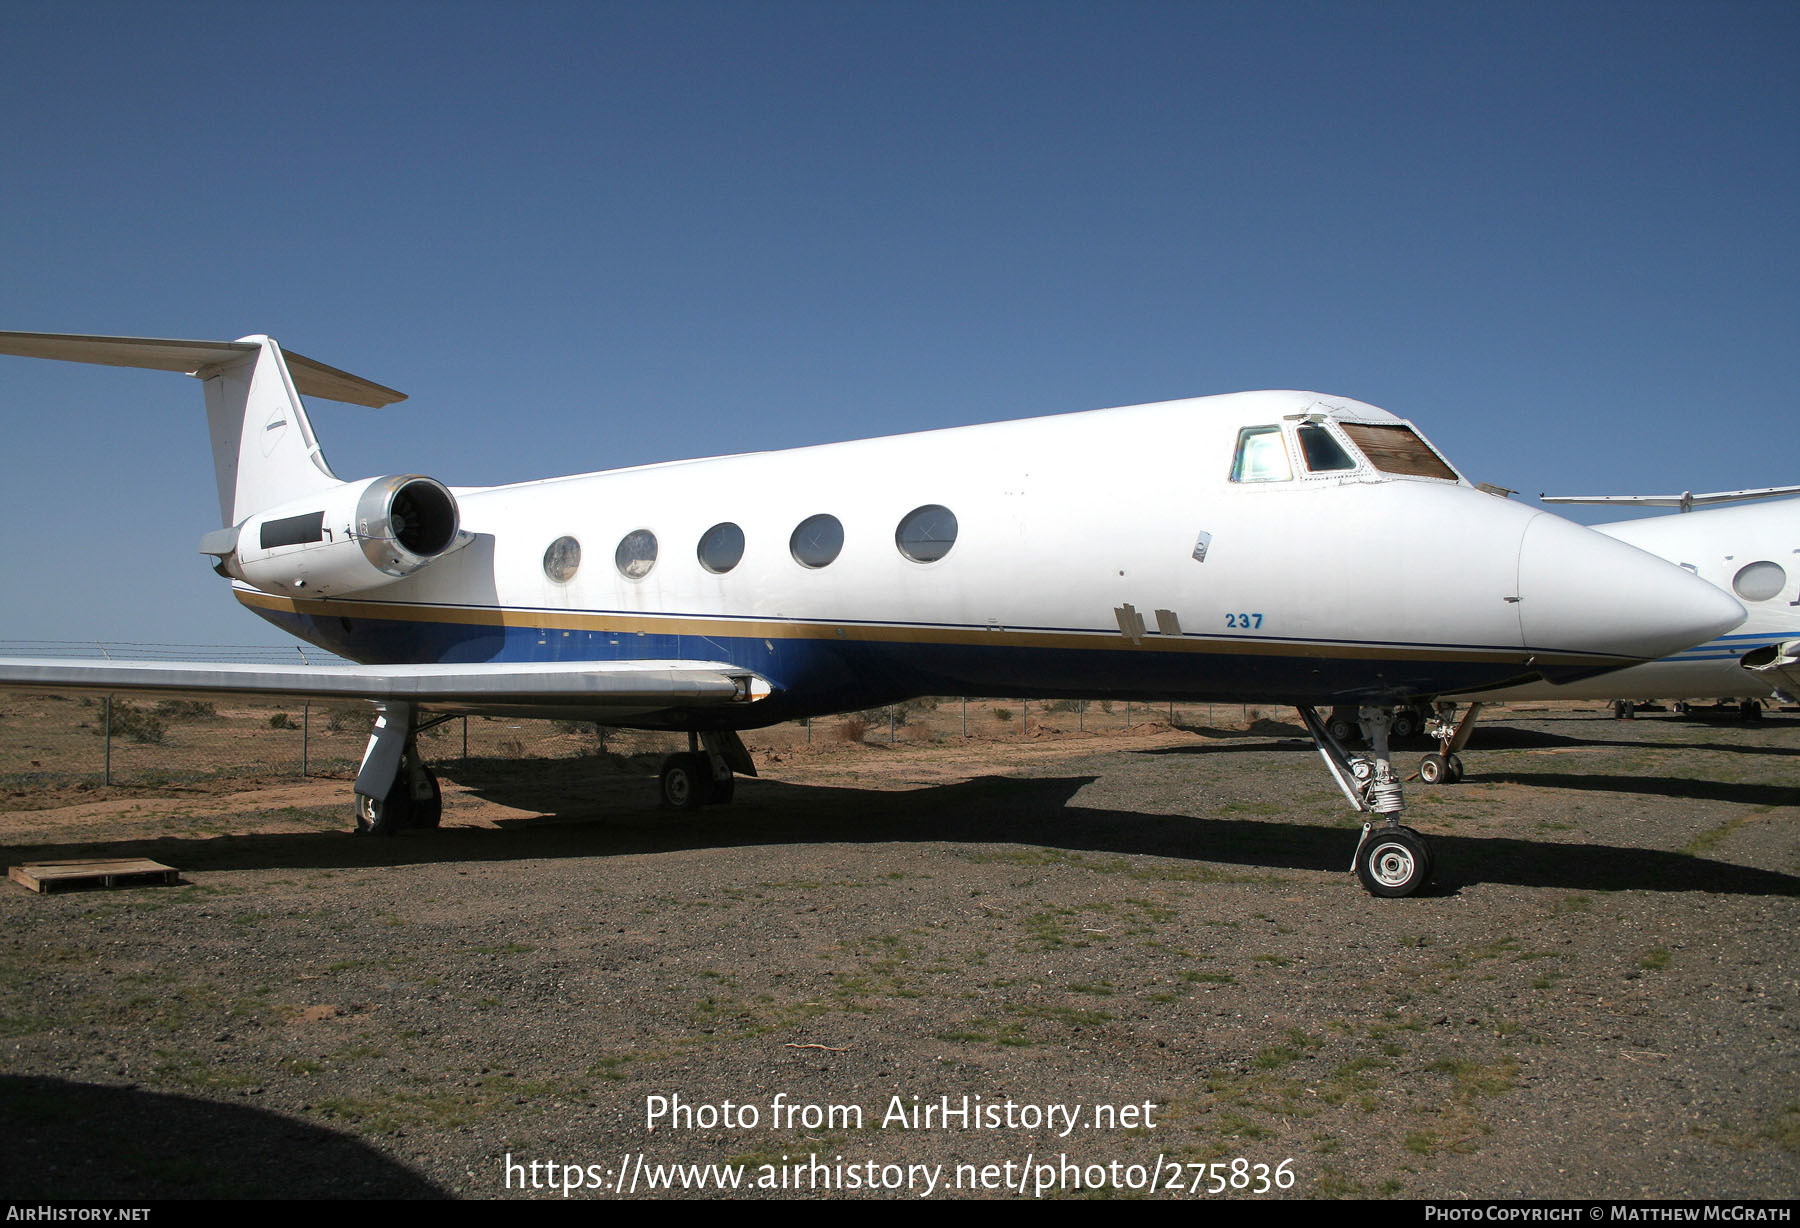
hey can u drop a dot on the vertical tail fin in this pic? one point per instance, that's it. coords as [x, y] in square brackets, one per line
[264, 450]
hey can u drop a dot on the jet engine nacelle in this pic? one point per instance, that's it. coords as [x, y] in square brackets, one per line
[356, 537]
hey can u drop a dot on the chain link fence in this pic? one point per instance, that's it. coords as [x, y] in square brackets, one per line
[57, 741]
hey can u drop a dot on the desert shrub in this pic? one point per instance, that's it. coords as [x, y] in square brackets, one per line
[134, 724]
[282, 720]
[853, 729]
[186, 710]
[351, 717]
[584, 729]
[1003, 714]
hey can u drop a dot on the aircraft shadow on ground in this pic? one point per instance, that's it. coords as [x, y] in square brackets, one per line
[1039, 812]
[83, 1140]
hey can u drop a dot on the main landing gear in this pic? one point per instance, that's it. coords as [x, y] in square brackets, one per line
[1445, 765]
[707, 774]
[394, 788]
[1391, 860]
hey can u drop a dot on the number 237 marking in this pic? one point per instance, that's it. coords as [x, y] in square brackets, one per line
[1248, 621]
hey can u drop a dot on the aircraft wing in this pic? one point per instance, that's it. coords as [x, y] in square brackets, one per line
[1687, 500]
[574, 689]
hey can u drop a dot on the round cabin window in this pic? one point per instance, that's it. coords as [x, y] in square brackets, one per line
[721, 548]
[817, 541]
[927, 533]
[1759, 581]
[636, 554]
[562, 559]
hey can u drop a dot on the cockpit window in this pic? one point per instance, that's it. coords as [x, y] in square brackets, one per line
[1261, 456]
[1323, 453]
[1396, 449]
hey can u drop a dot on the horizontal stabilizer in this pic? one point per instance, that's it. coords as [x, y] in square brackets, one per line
[313, 379]
[469, 687]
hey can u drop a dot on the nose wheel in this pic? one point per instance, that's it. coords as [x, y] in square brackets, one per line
[1392, 860]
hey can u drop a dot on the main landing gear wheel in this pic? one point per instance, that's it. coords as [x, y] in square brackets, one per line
[686, 782]
[387, 815]
[428, 812]
[1393, 861]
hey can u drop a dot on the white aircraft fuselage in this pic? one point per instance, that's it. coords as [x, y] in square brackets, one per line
[1069, 530]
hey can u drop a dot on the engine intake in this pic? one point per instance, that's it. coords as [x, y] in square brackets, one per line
[360, 536]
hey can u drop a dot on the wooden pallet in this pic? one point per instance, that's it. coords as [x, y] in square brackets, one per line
[93, 872]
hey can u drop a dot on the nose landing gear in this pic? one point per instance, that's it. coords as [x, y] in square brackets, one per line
[1391, 859]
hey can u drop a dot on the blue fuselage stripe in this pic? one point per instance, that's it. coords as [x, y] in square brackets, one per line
[813, 676]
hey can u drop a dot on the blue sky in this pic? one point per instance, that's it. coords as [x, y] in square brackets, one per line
[1559, 237]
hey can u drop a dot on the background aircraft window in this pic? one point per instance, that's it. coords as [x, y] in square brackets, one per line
[1759, 581]
[1323, 452]
[817, 541]
[636, 554]
[1396, 449]
[721, 548]
[562, 559]
[927, 533]
[1261, 456]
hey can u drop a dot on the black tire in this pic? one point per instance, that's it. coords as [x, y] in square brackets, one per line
[1624, 710]
[1433, 768]
[685, 782]
[1393, 862]
[1342, 729]
[722, 790]
[384, 816]
[1406, 724]
[1750, 710]
[428, 812]
[1454, 766]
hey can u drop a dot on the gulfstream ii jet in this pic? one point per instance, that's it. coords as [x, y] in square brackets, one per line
[1283, 547]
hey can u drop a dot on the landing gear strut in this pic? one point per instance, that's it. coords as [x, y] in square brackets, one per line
[394, 788]
[1391, 860]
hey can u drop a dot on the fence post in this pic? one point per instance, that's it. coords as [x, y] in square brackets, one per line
[305, 731]
[965, 700]
[891, 711]
[108, 776]
[809, 731]
[1024, 717]
[465, 758]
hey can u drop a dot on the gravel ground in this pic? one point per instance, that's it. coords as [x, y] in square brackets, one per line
[1597, 999]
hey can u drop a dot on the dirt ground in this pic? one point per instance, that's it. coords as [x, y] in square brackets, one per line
[1138, 954]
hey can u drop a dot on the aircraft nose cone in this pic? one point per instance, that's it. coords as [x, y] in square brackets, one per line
[1581, 591]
